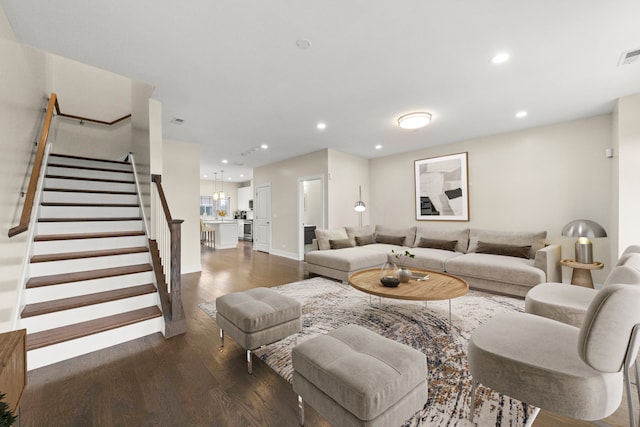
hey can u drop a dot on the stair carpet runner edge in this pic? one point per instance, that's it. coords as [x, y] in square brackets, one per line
[87, 327]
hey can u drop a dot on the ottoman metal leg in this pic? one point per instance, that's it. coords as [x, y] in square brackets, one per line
[249, 363]
[300, 410]
[221, 338]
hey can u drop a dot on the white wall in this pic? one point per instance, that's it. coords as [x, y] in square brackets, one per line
[6, 32]
[283, 177]
[181, 184]
[22, 98]
[627, 159]
[346, 173]
[537, 179]
[87, 91]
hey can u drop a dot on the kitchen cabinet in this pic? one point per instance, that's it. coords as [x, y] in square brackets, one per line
[244, 195]
[240, 229]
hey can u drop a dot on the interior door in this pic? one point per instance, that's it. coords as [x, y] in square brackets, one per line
[262, 218]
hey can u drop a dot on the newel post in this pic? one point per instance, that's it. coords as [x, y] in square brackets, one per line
[177, 313]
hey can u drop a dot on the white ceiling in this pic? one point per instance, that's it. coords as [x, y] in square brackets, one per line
[232, 71]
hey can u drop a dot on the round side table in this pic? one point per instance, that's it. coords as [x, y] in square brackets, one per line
[581, 272]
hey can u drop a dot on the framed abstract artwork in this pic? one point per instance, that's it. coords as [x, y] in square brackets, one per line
[442, 188]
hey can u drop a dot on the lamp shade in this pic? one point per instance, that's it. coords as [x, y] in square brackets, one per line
[583, 228]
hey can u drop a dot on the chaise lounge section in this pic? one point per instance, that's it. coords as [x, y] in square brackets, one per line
[502, 262]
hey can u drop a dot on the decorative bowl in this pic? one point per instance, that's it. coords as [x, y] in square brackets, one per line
[390, 282]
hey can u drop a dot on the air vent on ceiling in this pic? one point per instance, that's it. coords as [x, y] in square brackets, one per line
[177, 121]
[629, 56]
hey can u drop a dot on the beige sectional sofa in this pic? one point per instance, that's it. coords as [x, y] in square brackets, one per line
[503, 262]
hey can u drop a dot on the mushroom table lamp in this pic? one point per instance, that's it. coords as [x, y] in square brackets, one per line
[584, 229]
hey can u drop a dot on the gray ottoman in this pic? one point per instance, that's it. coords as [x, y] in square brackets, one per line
[257, 317]
[355, 377]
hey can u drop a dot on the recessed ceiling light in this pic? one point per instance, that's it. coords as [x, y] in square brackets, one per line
[521, 114]
[321, 126]
[264, 146]
[225, 161]
[205, 176]
[414, 120]
[500, 58]
[303, 44]
[241, 175]
[378, 147]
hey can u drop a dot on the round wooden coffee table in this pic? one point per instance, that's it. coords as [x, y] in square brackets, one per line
[439, 286]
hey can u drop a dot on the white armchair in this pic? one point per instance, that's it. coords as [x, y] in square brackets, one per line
[576, 372]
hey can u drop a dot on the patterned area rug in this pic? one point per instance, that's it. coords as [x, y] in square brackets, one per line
[327, 305]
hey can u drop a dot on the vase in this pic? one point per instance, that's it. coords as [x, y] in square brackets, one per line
[389, 274]
[404, 274]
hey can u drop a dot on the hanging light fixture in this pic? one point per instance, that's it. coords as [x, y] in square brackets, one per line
[359, 206]
[221, 184]
[215, 186]
[414, 120]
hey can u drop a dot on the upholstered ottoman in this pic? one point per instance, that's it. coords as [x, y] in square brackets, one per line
[257, 317]
[355, 377]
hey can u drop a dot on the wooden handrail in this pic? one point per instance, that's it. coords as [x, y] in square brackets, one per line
[163, 200]
[27, 208]
[87, 119]
[25, 217]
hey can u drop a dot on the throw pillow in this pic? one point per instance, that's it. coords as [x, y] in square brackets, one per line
[390, 240]
[324, 235]
[447, 245]
[365, 240]
[507, 250]
[340, 243]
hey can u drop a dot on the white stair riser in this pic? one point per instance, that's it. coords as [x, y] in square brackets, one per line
[69, 349]
[76, 184]
[89, 212]
[38, 269]
[71, 197]
[74, 289]
[88, 227]
[88, 163]
[83, 314]
[79, 245]
[84, 173]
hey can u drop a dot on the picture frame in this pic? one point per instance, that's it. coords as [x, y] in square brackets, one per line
[442, 188]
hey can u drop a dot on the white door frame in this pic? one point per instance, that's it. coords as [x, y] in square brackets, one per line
[256, 244]
[300, 227]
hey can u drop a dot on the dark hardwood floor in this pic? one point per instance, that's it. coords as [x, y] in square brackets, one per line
[186, 380]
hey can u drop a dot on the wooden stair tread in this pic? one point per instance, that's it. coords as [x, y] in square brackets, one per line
[81, 178]
[93, 219]
[88, 254]
[87, 168]
[91, 205]
[69, 156]
[90, 327]
[62, 304]
[57, 279]
[74, 236]
[79, 190]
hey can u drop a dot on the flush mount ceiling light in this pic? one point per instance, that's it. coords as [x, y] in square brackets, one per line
[414, 120]
[521, 114]
[321, 126]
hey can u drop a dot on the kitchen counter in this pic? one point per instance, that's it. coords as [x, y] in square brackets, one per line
[226, 232]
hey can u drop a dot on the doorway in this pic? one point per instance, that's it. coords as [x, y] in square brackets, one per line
[262, 218]
[310, 211]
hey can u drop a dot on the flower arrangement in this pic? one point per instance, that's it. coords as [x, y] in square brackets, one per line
[400, 257]
[222, 213]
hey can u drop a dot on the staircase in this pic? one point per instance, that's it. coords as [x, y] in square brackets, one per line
[91, 281]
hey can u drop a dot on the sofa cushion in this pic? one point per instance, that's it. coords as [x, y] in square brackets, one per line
[429, 258]
[462, 236]
[365, 240]
[499, 268]
[633, 249]
[390, 240]
[409, 233]
[352, 232]
[347, 259]
[506, 250]
[518, 238]
[445, 245]
[340, 243]
[324, 235]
